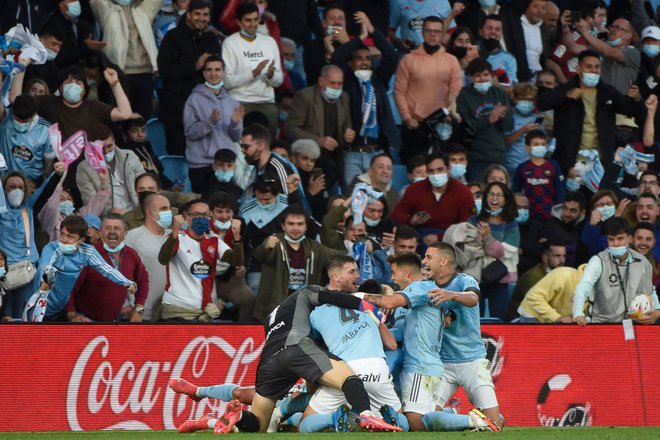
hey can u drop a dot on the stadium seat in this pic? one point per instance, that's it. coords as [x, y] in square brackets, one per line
[176, 169]
[399, 177]
[491, 320]
[156, 135]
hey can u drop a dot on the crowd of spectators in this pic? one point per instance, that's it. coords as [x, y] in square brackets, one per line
[526, 130]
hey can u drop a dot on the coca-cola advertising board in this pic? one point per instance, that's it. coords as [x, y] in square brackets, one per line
[93, 377]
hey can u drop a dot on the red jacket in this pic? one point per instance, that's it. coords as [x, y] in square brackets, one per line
[455, 206]
[100, 299]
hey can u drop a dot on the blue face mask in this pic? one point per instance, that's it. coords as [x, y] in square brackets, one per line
[248, 35]
[572, 185]
[268, 206]
[74, 9]
[487, 4]
[590, 79]
[72, 93]
[223, 226]
[119, 247]
[523, 215]
[606, 212]
[477, 204]
[539, 151]
[617, 251]
[3, 272]
[457, 170]
[224, 176]
[283, 116]
[67, 249]
[109, 157]
[21, 127]
[289, 65]
[438, 180]
[332, 94]
[50, 54]
[494, 212]
[651, 50]
[525, 107]
[371, 223]
[615, 43]
[217, 86]
[444, 130]
[483, 87]
[164, 219]
[66, 207]
[296, 240]
[200, 225]
[123, 2]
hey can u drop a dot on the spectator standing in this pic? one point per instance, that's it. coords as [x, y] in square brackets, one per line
[77, 33]
[427, 79]
[604, 205]
[180, 61]
[147, 239]
[52, 38]
[565, 226]
[505, 67]
[304, 154]
[409, 18]
[318, 52]
[96, 298]
[212, 120]
[168, 18]
[253, 66]
[525, 119]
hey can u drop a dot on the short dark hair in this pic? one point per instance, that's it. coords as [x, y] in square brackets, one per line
[224, 155]
[245, 9]
[199, 4]
[258, 133]
[405, 232]
[51, 30]
[267, 184]
[115, 216]
[445, 248]
[215, 57]
[587, 53]
[407, 259]
[494, 17]
[75, 224]
[547, 244]
[644, 225]
[415, 161]
[330, 7]
[336, 262]
[370, 286]
[378, 156]
[615, 226]
[647, 195]
[456, 148]
[293, 210]
[186, 206]
[432, 19]
[24, 107]
[281, 143]
[478, 65]
[221, 199]
[148, 174]
[134, 122]
[534, 134]
[255, 117]
[576, 196]
[438, 155]
[100, 132]
[648, 172]
[75, 72]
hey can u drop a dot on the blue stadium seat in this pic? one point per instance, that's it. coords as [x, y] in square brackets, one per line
[176, 169]
[399, 177]
[156, 135]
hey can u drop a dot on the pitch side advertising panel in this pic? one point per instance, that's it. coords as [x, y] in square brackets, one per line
[93, 377]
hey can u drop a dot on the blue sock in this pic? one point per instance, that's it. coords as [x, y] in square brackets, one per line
[294, 420]
[298, 404]
[316, 423]
[441, 421]
[448, 410]
[402, 422]
[222, 392]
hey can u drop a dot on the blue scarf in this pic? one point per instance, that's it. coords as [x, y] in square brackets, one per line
[363, 260]
[369, 121]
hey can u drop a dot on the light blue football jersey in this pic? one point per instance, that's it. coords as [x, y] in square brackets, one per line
[462, 341]
[349, 334]
[422, 337]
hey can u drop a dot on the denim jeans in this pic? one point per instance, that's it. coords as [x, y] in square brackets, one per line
[356, 163]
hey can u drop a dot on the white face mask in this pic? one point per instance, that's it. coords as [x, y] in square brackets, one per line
[363, 75]
[15, 197]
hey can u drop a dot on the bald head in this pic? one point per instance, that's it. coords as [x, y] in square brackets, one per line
[153, 205]
[551, 17]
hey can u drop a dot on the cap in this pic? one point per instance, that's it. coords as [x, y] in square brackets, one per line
[93, 221]
[651, 32]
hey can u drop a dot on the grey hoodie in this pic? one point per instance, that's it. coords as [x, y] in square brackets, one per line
[203, 137]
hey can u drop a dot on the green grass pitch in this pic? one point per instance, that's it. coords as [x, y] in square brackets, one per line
[509, 433]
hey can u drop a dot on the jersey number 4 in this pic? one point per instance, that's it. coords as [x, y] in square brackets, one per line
[348, 316]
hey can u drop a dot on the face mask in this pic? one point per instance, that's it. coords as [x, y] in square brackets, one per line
[50, 54]
[438, 180]
[119, 247]
[91, 82]
[616, 42]
[525, 107]
[67, 249]
[66, 207]
[460, 52]
[297, 240]
[444, 130]
[457, 170]
[289, 65]
[72, 93]
[223, 226]
[185, 227]
[109, 157]
[262, 9]
[123, 2]
[523, 215]
[224, 176]
[487, 4]
[590, 79]
[74, 9]
[651, 50]
[572, 185]
[15, 197]
[268, 206]
[477, 204]
[363, 75]
[164, 219]
[617, 251]
[283, 116]
[3, 272]
[21, 127]
[332, 94]
[494, 212]
[217, 86]
[418, 179]
[430, 49]
[181, 12]
[606, 212]
[371, 223]
[248, 35]
[483, 87]
[200, 225]
[539, 151]
[490, 44]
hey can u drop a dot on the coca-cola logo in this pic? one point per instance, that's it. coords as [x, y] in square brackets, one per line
[108, 392]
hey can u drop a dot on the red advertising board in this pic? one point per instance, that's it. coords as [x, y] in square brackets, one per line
[92, 377]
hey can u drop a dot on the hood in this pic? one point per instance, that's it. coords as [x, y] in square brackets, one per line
[556, 213]
[202, 91]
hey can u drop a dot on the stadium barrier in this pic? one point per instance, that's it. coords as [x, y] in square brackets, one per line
[94, 377]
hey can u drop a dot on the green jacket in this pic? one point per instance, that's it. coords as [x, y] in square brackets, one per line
[331, 236]
[274, 285]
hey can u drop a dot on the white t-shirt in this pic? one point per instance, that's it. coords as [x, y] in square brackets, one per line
[533, 43]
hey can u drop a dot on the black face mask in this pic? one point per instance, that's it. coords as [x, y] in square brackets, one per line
[490, 44]
[460, 52]
[431, 49]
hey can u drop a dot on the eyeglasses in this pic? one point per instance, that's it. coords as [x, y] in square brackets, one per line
[495, 195]
[618, 28]
[199, 215]
[648, 183]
